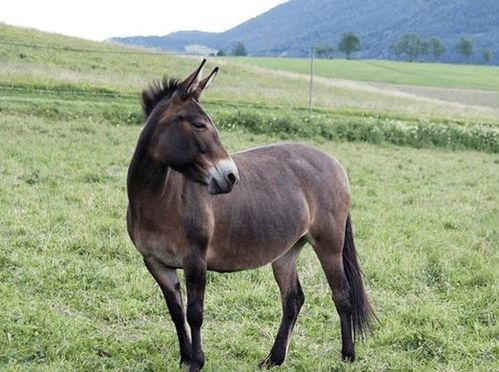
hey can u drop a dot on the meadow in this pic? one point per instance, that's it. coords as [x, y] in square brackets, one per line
[75, 295]
[424, 74]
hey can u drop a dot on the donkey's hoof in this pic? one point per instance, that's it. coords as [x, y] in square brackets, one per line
[184, 362]
[265, 364]
[348, 357]
[270, 362]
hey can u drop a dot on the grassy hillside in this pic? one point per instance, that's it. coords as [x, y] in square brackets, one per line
[75, 295]
[32, 59]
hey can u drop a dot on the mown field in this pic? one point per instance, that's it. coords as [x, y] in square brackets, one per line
[75, 295]
[425, 74]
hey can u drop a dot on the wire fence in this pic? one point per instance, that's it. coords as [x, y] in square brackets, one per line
[22, 89]
[150, 52]
[88, 93]
[62, 94]
[154, 52]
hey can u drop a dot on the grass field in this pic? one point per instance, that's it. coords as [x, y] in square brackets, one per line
[33, 59]
[425, 74]
[75, 295]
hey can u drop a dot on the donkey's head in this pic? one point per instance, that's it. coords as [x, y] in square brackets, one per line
[183, 136]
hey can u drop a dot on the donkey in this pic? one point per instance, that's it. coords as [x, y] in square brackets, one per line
[193, 206]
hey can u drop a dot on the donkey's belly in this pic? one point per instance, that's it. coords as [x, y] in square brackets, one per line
[249, 236]
[244, 257]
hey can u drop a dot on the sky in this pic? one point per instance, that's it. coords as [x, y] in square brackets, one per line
[101, 19]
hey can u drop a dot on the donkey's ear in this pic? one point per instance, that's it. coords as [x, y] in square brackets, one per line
[203, 84]
[190, 84]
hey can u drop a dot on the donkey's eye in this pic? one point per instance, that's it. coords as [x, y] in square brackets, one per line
[199, 125]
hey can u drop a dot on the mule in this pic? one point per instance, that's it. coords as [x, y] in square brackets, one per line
[193, 206]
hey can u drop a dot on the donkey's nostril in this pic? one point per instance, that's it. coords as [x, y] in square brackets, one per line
[231, 177]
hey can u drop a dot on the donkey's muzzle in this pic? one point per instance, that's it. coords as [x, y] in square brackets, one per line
[223, 176]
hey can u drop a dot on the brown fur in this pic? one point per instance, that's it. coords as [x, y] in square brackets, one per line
[285, 194]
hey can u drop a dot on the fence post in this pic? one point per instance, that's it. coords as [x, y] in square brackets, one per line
[312, 55]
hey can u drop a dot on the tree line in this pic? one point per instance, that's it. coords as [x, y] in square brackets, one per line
[410, 47]
[239, 49]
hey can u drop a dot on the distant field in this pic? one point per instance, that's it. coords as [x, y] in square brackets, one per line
[31, 59]
[425, 74]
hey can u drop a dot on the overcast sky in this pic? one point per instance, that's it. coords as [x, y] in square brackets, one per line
[101, 19]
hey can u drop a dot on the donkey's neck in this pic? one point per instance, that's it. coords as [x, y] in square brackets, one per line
[145, 175]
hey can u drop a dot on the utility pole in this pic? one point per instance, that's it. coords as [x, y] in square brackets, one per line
[312, 55]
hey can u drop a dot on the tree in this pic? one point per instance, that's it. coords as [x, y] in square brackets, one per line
[425, 47]
[221, 53]
[436, 47]
[487, 55]
[323, 51]
[239, 49]
[410, 46]
[349, 43]
[465, 47]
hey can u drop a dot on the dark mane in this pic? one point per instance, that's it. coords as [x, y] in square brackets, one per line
[156, 92]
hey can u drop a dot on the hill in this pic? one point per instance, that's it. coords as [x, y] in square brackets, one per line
[291, 28]
[35, 60]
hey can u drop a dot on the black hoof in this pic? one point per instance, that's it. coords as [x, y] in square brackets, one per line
[184, 362]
[265, 364]
[270, 362]
[348, 357]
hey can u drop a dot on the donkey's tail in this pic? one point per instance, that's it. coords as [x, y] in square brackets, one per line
[362, 312]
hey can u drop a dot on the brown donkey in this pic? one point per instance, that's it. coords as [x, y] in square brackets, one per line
[192, 206]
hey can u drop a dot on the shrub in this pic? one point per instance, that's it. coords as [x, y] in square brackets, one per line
[370, 129]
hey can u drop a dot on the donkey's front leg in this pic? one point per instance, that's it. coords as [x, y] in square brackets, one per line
[168, 282]
[195, 277]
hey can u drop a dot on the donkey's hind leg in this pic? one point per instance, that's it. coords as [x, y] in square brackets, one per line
[292, 297]
[329, 249]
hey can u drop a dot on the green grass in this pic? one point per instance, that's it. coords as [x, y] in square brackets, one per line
[68, 64]
[295, 123]
[75, 295]
[425, 74]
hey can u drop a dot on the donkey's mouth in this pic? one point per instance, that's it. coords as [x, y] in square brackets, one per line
[220, 178]
[215, 188]
[223, 176]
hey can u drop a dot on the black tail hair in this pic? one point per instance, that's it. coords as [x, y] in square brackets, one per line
[362, 312]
